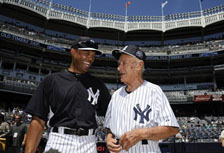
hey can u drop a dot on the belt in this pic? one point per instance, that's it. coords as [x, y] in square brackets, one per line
[144, 141]
[78, 131]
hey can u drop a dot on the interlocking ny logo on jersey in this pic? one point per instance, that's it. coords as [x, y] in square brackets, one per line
[93, 97]
[143, 114]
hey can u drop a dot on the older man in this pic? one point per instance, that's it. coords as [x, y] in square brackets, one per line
[139, 113]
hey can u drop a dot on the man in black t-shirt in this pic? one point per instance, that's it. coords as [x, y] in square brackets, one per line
[67, 102]
[18, 135]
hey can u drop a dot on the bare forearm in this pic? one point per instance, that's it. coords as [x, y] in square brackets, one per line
[130, 138]
[34, 135]
[158, 133]
[24, 140]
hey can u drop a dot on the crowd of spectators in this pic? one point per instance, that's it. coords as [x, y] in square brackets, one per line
[192, 129]
[28, 86]
[210, 44]
[195, 129]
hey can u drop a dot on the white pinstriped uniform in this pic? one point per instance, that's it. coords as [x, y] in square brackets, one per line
[123, 113]
[65, 143]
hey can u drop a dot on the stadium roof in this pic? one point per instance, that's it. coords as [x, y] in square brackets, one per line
[177, 26]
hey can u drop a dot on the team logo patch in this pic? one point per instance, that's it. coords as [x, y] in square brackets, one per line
[93, 98]
[144, 115]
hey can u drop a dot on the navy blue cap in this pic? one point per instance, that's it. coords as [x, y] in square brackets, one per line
[85, 43]
[131, 50]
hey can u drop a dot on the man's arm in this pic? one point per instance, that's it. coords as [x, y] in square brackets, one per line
[24, 140]
[7, 130]
[130, 138]
[34, 134]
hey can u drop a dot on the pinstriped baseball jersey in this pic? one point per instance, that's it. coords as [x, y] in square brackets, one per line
[147, 106]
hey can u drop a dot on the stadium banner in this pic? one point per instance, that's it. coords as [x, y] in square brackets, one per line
[202, 98]
[218, 98]
[157, 57]
[174, 57]
[177, 87]
[181, 56]
[208, 54]
[56, 48]
[19, 39]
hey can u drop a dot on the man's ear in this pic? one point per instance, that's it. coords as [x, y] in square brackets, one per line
[73, 51]
[140, 65]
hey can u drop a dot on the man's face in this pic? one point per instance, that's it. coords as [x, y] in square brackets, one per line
[127, 68]
[17, 119]
[82, 60]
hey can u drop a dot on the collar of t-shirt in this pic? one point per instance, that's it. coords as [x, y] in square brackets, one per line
[73, 73]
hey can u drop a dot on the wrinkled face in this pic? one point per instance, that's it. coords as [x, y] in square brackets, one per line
[127, 68]
[82, 60]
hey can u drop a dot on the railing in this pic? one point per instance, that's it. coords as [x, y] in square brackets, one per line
[70, 14]
[150, 51]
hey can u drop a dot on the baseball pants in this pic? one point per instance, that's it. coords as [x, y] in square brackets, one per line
[65, 143]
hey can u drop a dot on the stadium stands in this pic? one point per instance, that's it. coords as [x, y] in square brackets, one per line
[190, 72]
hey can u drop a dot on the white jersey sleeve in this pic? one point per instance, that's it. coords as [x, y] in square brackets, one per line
[166, 116]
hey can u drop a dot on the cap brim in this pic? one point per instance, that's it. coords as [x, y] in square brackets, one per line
[98, 52]
[117, 53]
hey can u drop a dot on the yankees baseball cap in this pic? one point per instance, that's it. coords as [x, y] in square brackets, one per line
[131, 50]
[85, 43]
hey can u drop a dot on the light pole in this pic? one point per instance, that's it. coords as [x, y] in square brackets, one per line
[49, 9]
[89, 13]
[163, 26]
[126, 14]
[202, 20]
[162, 6]
[90, 6]
[201, 7]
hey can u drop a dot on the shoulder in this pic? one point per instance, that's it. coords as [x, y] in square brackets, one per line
[152, 86]
[24, 125]
[5, 123]
[56, 74]
[119, 91]
[53, 76]
[94, 79]
[88, 75]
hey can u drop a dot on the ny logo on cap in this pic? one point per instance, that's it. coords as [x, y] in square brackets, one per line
[144, 115]
[125, 48]
[92, 96]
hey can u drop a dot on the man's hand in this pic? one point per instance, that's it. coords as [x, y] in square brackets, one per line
[112, 145]
[129, 139]
[23, 143]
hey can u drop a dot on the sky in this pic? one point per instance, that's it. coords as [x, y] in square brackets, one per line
[140, 7]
